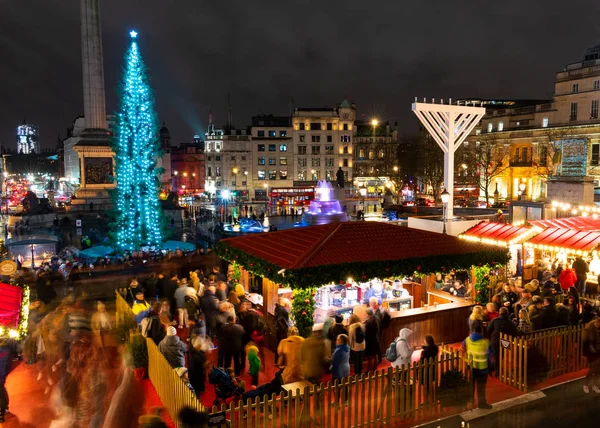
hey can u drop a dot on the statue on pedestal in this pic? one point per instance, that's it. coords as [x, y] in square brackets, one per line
[339, 178]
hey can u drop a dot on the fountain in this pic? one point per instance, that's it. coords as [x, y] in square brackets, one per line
[324, 208]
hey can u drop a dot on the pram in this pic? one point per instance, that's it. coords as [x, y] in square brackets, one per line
[226, 389]
[268, 389]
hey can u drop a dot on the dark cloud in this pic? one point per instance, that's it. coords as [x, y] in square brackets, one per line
[379, 54]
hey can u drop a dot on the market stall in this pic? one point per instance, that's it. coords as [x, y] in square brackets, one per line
[341, 265]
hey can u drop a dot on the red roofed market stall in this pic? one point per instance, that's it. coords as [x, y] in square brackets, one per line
[333, 266]
[14, 310]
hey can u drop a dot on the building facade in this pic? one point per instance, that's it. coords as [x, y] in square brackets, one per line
[322, 141]
[272, 167]
[559, 138]
[228, 156]
[28, 139]
[187, 168]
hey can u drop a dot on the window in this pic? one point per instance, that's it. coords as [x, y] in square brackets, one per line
[302, 127]
[283, 147]
[301, 150]
[283, 174]
[260, 133]
[261, 174]
[543, 155]
[345, 150]
[209, 171]
[316, 162]
[282, 161]
[261, 147]
[361, 154]
[545, 122]
[218, 169]
[218, 145]
[595, 154]
[328, 162]
[218, 158]
[302, 162]
[261, 160]
[272, 161]
[301, 175]
[283, 133]
[209, 158]
[596, 84]
[315, 176]
[573, 115]
[272, 147]
[232, 158]
[329, 126]
[575, 87]
[329, 138]
[345, 138]
[316, 139]
[243, 158]
[328, 150]
[272, 174]
[329, 175]
[315, 150]
[490, 127]
[371, 155]
[346, 162]
[315, 126]
[345, 127]
[301, 138]
[207, 147]
[594, 112]
[524, 155]
[501, 125]
[381, 154]
[272, 133]
[478, 132]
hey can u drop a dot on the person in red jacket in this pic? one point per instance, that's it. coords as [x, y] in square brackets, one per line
[567, 278]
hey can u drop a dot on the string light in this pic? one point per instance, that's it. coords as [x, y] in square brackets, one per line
[139, 215]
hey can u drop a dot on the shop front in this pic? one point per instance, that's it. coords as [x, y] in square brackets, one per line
[339, 267]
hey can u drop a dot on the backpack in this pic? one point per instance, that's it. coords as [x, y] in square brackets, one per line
[145, 326]
[391, 354]
[359, 335]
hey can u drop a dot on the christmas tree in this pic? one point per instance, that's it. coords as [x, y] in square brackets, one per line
[139, 214]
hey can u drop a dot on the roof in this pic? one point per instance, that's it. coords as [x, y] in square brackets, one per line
[349, 242]
[580, 223]
[497, 233]
[10, 305]
[567, 239]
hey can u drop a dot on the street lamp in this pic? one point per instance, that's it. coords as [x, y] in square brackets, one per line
[313, 172]
[32, 256]
[445, 199]
[246, 179]
[521, 192]
[225, 195]
[396, 184]
[363, 193]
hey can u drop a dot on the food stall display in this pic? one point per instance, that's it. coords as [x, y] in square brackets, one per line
[311, 261]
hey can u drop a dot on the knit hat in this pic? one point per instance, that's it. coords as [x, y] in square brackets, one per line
[181, 371]
[239, 290]
[171, 331]
[339, 319]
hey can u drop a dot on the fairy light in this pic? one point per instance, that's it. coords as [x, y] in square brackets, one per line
[139, 215]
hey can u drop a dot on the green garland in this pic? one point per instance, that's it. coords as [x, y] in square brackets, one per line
[482, 284]
[236, 274]
[319, 275]
[303, 308]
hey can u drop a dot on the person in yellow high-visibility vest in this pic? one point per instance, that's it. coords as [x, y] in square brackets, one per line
[477, 348]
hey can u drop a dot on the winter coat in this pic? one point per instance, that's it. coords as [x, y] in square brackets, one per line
[429, 352]
[180, 294]
[191, 305]
[282, 321]
[169, 286]
[591, 342]
[197, 370]
[253, 359]
[231, 338]
[500, 325]
[151, 287]
[340, 362]
[315, 356]
[567, 278]
[383, 317]
[524, 327]
[140, 309]
[157, 332]
[548, 317]
[334, 332]
[581, 268]
[209, 307]
[403, 349]
[354, 346]
[290, 357]
[372, 330]
[173, 350]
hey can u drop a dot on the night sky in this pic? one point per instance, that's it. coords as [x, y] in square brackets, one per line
[378, 54]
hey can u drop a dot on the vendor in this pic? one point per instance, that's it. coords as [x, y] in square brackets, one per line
[376, 290]
[457, 289]
[398, 290]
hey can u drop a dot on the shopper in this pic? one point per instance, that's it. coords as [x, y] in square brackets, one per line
[356, 336]
[340, 362]
[173, 348]
[478, 349]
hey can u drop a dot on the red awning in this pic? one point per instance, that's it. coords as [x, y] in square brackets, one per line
[10, 305]
[567, 239]
[580, 223]
[488, 231]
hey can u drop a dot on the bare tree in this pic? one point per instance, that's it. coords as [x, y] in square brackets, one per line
[550, 150]
[487, 159]
[421, 159]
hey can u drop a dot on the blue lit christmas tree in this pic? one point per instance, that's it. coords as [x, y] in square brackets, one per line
[139, 214]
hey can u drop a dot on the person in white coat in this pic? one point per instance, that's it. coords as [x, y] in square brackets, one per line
[403, 349]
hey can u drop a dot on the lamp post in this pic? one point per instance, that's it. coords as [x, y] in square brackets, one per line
[246, 179]
[445, 199]
[374, 123]
[522, 188]
[313, 175]
[225, 195]
[32, 256]
[396, 184]
[363, 193]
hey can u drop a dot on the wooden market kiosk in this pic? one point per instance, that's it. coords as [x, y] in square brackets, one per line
[346, 257]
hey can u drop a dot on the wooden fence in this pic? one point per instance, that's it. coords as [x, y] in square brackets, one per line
[123, 315]
[366, 400]
[168, 385]
[531, 358]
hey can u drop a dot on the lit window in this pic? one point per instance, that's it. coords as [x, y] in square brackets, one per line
[301, 138]
[261, 160]
[282, 161]
[490, 127]
[283, 133]
[272, 161]
[283, 174]
[261, 174]
[545, 122]
[316, 162]
[272, 133]
[272, 174]
[283, 147]
[500, 126]
[261, 147]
